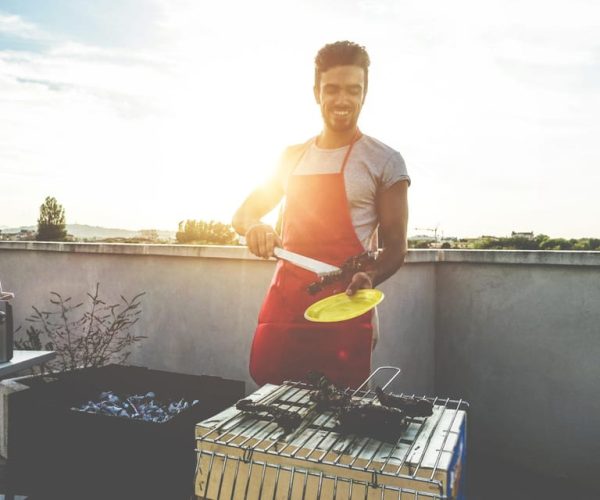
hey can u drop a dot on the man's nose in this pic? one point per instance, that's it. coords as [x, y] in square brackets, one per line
[343, 97]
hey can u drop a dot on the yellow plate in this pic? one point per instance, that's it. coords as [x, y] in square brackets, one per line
[341, 307]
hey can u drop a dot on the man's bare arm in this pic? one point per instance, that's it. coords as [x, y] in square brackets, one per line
[261, 238]
[393, 221]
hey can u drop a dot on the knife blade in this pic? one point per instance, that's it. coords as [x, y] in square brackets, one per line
[321, 269]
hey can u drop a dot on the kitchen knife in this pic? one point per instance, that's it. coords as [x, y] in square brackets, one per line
[321, 269]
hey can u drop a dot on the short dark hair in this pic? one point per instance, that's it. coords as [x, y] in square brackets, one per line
[341, 54]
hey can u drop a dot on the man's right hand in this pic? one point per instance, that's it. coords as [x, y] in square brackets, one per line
[262, 239]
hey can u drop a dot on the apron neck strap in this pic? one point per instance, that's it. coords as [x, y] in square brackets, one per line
[357, 135]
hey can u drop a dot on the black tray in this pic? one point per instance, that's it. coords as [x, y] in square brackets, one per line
[57, 452]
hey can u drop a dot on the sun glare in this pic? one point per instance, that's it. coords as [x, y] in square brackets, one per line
[226, 130]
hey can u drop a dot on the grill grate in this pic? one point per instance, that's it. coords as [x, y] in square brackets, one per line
[417, 463]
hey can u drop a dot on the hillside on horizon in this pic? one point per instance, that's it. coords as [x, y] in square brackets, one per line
[84, 231]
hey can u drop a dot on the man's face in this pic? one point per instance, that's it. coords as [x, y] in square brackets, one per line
[341, 93]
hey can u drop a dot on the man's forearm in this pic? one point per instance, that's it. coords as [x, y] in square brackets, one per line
[242, 222]
[260, 202]
[388, 262]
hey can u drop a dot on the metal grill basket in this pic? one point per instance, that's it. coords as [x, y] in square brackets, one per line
[248, 456]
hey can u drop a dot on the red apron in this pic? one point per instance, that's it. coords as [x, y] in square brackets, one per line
[316, 223]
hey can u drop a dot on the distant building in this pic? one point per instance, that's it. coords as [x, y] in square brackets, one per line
[515, 234]
[22, 235]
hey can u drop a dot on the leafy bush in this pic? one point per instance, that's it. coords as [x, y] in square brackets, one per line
[556, 244]
[419, 243]
[92, 337]
[203, 233]
[539, 242]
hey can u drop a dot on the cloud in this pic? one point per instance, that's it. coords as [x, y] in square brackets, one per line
[13, 25]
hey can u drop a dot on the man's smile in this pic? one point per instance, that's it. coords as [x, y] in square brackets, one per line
[341, 112]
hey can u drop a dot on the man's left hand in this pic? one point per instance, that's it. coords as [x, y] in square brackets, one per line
[359, 281]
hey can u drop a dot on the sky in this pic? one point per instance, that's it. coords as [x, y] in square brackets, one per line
[139, 114]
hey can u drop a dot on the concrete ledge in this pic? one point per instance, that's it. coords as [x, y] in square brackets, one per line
[527, 257]
[7, 387]
[204, 251]
[415, 256]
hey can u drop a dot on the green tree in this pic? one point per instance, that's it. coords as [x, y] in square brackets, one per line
[486, 243]
[540, 238]
[594, 243]
[149, 234]
[556, 244]
[205, 233]
[419, 243]
[582, 244]
[51, 223]
[519, 243]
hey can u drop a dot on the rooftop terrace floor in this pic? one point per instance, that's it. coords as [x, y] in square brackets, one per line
[492, 479]
[486, 479]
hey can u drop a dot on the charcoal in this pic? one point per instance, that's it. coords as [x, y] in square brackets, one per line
[287, 419]
[139, 407]
[411, 406]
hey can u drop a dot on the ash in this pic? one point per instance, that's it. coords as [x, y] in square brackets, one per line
[137, 407]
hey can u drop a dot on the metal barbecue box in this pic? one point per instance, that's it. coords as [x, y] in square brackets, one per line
[58, 451]
[242, 455]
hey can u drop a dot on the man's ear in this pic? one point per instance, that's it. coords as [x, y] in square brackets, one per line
[316, 93]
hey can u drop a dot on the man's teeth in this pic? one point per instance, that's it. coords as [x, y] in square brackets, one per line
[341, 113]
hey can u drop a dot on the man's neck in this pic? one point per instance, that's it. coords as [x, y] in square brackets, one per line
[330, 139]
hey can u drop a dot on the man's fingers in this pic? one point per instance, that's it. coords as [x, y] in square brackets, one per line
[353, 286]
[358, 282]
[261, 240]
[269, 244]
[251, 242]
[262, 246]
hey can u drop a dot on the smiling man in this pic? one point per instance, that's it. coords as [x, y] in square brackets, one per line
[340, 188]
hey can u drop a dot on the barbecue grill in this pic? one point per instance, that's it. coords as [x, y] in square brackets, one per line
[252, 456]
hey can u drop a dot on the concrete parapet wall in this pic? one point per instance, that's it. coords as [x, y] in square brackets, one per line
[522, 345]
[515, 333]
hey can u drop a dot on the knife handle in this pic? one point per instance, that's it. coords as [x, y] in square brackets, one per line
[355, 264]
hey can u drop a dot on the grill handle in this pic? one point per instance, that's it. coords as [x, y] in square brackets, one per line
[396, 370]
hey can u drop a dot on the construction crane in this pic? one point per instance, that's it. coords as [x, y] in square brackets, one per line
[434, 230]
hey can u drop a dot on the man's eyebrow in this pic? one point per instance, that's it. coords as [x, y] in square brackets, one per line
[353, 86]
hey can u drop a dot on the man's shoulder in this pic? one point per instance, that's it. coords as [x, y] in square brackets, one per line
[297, 149]
[378, 147]
[292, 154]
[378, 156]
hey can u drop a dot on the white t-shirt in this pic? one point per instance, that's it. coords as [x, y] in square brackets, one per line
[372, 168]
